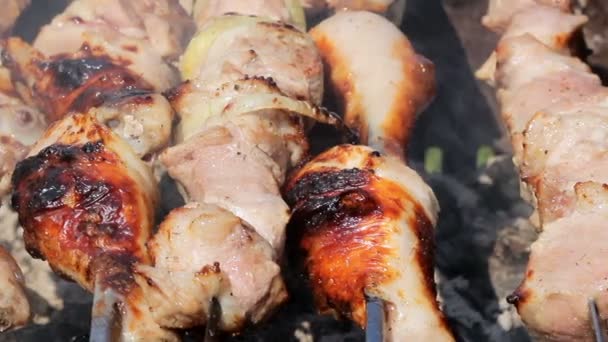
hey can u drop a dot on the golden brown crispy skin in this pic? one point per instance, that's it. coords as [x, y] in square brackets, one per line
[342, 215]
[67, 83]
[79, 211]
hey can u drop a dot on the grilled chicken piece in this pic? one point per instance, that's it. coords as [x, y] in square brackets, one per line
[366, 222]
[10, 12]
[202, 251]
[232, 47]
[82, 194]
[381, 103]
[86, 203]
[555, 109]
[87, 81]
[14, 306]
[287, 11]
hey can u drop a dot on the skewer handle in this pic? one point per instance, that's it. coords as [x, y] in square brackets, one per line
[596, 321]
[374, 329]
[105, 322]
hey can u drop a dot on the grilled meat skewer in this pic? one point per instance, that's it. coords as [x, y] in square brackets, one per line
[84, 195]
[554, 108]
[366, 219]
[251, 82]
[86, 202]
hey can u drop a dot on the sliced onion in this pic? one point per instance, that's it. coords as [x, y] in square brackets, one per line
[253, 95]
[196, 53]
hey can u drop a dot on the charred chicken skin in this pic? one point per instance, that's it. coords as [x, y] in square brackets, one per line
[84, 194]
[110, 57]
[365, 220]
[86, 202]
[554, 108]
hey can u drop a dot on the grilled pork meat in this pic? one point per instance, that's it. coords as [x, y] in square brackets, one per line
[202, 251]
[241, 129]
[365, 220]
[14, 306]
[555, 110]
[11, 10]
[232, 47]
[113, 56]
[379, 103]
[287, 11]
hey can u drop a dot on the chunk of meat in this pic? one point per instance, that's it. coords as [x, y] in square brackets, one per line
[379, 103]
[202, 251]
[232, 47]
[87, 82]
[11, 9]
[366, 223]
[287, 11]
[210, 168]
[555, 109]
[566, 270]
[256, 106]
[14, 305]
[81, 194]
[501, 12]
[86, 203]
[162, 25]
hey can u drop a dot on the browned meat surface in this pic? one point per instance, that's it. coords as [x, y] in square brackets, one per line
[82, 195]
[366, 223]
[380, 103]
[202, 251]
[14, 305]
[229, 48]
[555, 109]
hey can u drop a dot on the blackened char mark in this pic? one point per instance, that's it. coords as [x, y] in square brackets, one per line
[79, 198]
[326, 182]
[78, 84]
[115, 270]
[73, 73]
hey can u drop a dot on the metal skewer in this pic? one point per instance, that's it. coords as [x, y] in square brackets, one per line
[105, 323]
[215, 314]
[596, 322]
[374, 328]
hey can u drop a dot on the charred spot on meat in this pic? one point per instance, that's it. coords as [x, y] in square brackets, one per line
[61, 196]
